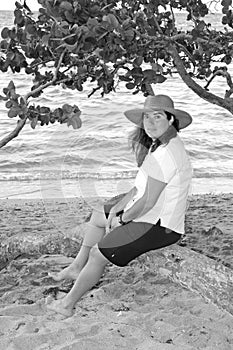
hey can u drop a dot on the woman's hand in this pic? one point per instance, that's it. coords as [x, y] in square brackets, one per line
[111, 215]
[112, 221]
[115, 222]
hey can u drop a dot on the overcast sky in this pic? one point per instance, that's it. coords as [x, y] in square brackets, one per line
[33, 4]
[10, 4]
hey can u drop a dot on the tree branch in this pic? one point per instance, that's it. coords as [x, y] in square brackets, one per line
[184, 36]
[14, 133]
[224, 73]
[157, 25]
[149, 89]
[49, 83]
[22, 122]
[200, 91]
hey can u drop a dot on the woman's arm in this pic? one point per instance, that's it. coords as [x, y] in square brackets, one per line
[125, 200]
[119, 206]
[147, 201]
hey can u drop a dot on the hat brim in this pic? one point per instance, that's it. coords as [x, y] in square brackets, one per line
[135, 116]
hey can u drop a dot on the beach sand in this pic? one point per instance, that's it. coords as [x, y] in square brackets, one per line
[135, 307]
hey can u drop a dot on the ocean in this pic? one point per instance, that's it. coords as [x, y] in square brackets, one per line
[59, 162]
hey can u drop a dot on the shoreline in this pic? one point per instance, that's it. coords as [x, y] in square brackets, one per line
[72, 188]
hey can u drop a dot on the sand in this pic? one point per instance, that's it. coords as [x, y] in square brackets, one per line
[135, 307]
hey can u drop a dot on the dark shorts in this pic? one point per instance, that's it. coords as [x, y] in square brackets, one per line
[127, 242]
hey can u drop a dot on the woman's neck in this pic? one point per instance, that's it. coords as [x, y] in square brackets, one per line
[169, 134]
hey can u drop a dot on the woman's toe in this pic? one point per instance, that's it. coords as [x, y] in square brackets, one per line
[57, 307]
[54, 276]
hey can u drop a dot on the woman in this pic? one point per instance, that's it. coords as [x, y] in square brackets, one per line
[151, 215]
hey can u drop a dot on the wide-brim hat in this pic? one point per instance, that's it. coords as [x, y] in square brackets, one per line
[159, 102]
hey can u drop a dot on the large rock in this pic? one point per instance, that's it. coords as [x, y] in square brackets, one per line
[31, 245]
[212, 280]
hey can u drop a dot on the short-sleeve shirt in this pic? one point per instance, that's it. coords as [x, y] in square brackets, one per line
[169, 163]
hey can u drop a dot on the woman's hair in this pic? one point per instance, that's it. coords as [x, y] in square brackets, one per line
[140, 142]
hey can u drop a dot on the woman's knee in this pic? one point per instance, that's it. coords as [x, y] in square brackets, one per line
[97, 257]
[98, 217]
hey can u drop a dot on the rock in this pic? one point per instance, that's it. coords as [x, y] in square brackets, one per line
[213, 231]
[209, 278]
[16, 246]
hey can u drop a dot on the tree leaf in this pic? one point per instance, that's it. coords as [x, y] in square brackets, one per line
[44, 110]
[112, 20]
[2, 98]
[149, 73]
[157, 67]
[11, 86]
[45, 39]
[226, 3]
[201, 26]
[129, 34]
[5, 33]
[69, 16]
[31, 29]
[92, 22]
[130, 86]
[58, 112]
[74, 121]
[137, 72]
[152, 77]
[124, 78]
[66, 5]
[18, 5]
[158, 79]
[34, 122]
[4, 44]
[13, 112]
[8, 104]
[138, 61]
[67, 108]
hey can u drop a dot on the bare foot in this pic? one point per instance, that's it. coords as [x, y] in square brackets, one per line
[69, 273]
[58, 307]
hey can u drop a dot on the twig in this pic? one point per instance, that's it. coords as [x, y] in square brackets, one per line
[42, 87]
[93, 91]
[157, 26]
[224, 73]
[149, 89]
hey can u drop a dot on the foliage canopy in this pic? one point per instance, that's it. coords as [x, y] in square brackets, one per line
[71, 42]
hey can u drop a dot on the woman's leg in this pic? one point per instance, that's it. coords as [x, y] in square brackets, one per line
[95, 230]
[87, 278]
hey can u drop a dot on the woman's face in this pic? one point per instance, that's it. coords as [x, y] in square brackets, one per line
[155, 123]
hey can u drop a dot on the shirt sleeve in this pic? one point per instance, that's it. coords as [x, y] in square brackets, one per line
[160, 165]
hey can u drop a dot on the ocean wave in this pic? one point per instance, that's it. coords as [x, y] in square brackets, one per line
[126, 174]
[208, 175]
[66, 175]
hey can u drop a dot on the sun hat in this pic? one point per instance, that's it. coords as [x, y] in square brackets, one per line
[159, 102]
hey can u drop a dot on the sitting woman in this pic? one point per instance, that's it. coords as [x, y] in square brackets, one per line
[151, 215]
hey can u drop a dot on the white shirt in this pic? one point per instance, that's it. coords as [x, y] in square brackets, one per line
[170, 164]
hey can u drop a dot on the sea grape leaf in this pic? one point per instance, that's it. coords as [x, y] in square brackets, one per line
[5, 33]
[66, 6]
[11, 86]
[34, 122]
[75, 121]
[130, 86]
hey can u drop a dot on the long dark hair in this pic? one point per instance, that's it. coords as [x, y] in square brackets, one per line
[140, 142]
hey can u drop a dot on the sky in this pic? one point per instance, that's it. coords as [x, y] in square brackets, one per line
[10, 4]
[33, 4]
